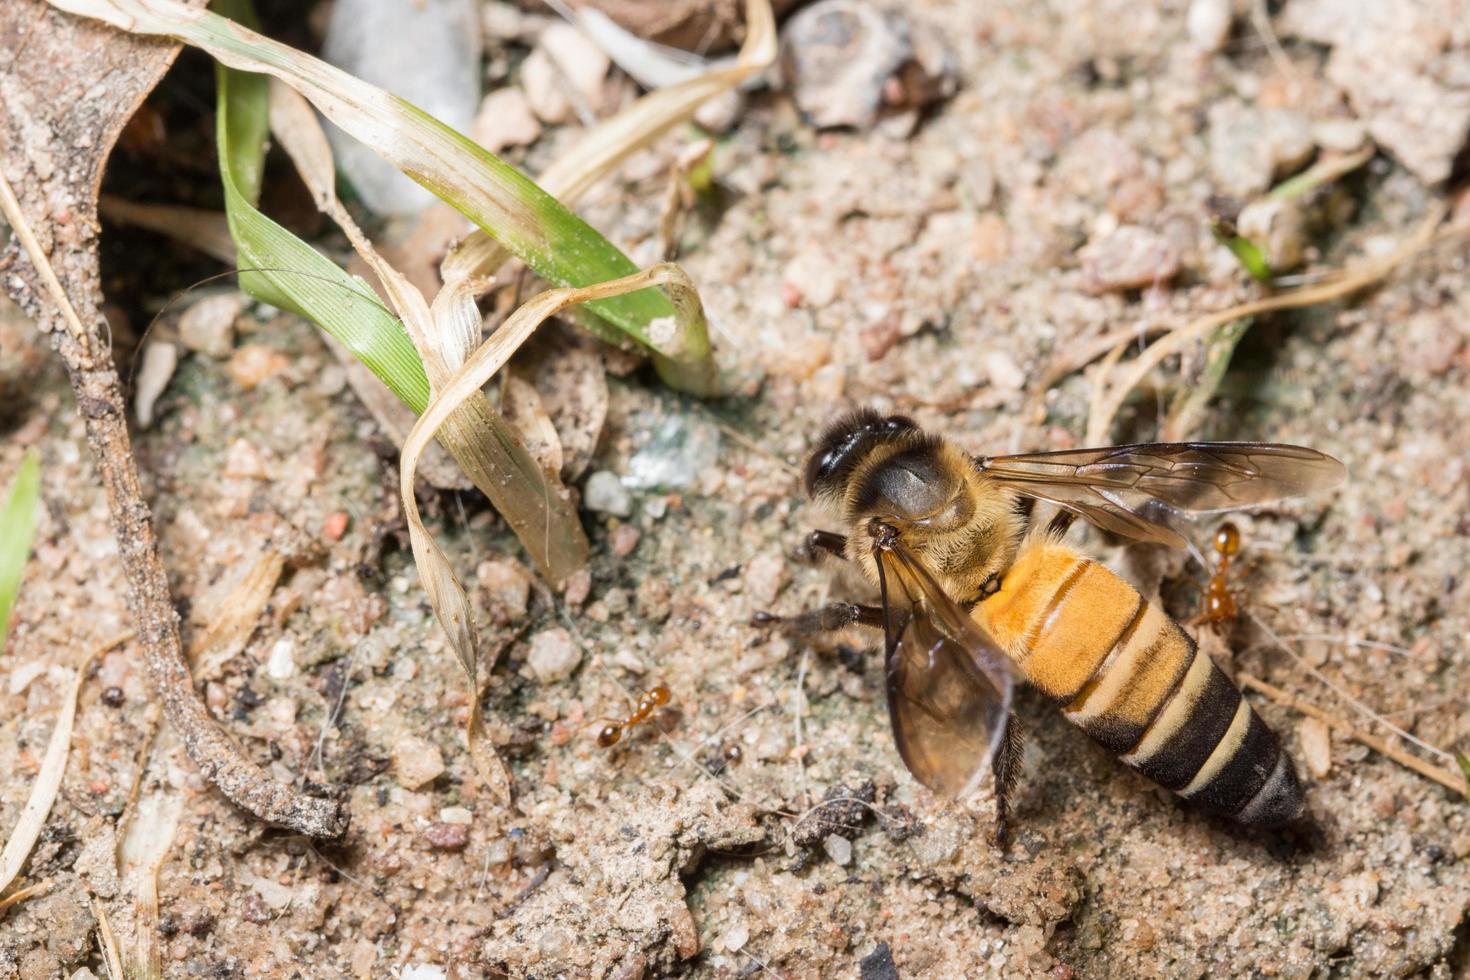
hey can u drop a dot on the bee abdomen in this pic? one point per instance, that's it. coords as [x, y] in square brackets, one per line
[1129, 676]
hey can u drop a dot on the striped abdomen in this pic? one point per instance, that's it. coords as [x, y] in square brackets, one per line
[1130, 677]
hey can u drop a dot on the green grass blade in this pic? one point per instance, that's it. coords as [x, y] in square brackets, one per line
[553, 241]
[297, 277]
[17, 525]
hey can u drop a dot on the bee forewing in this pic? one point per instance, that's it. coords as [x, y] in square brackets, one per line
[1140, 490]
[949, 687]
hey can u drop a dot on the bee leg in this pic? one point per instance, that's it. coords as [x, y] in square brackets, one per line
[1061, 522]
[829, 541]
[1007, 768]
[833, 616]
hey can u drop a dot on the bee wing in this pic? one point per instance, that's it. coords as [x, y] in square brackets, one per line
[1140, 491]
[949, 686]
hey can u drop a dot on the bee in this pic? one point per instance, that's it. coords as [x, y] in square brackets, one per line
[975, 598]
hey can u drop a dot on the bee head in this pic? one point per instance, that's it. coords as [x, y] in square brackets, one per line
[846, 443]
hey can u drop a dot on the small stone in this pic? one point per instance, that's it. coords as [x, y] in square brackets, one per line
[554, 655]
[457, 814]
[1250, 145]
[564, 63]
[159, 361]
[842, 58]
[416, 762]
[624, 540]
[280, 663]
[653, 600]
[507, 583]
[878, 338]
[1129, 257]
[335, 526]
[814, 275]
[681, 451]
[1208, 23]
[432, 62]
[442, 836]
[736, 936]
[208, 326]
[1279, 228]
[423, 971]
[838, 848]
[577, 587]
[1316, 740]
[244, 461]
[1005, 374]
[604, 492]
[254, 363]
[505, 119]
[765, 577]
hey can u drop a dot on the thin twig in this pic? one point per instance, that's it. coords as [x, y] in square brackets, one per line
[1428, 770]
[21, 894]
[103, 407]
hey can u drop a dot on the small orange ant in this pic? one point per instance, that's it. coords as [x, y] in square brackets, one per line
[1218, 605]
[650, 702]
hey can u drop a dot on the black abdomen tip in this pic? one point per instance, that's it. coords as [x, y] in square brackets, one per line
[1279, 801]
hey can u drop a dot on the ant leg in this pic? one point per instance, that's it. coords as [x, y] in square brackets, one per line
[829, 541]
[1007, 769]
[825, 619]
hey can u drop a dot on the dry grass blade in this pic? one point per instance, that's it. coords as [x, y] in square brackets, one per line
[608, 144]
[533, 224]
[1351, 280]
[48, 782]
[531, 499]
[21, 894]
[237, 616]
[207, 231]
[107, 941]
[144, 851]
[446, 594]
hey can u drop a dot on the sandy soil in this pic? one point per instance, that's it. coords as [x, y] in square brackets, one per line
[937, 272]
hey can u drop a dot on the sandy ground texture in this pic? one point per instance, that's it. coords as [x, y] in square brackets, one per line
[931, 265]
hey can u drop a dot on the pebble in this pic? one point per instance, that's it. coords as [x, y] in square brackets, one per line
[254, 363]
[563, 59]
[554, 655]
[507, 583]
[416, 762]
[505, 119]
[1250, 146]
[653, 600]
[1278, 228]
[838, 848]
[680, 452]
[335, 526]
[1316, 742]
[765, 577]
[442, 836]
[243, 460]
[457, 814]
[1003, 371]
[624, 540]
[1129, 257]
[159, 361]
[1208, 24]
[433, 61]
[280, 663]
[840, 58]
[604, 492]
[736, 936]
[208, 326]
[577, 587]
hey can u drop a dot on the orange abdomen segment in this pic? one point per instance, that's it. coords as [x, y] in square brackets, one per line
[1124, 672]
